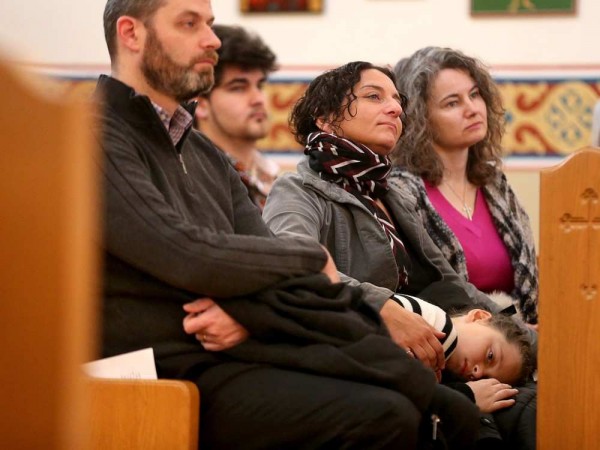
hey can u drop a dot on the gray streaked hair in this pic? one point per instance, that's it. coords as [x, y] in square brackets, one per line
[415, 76]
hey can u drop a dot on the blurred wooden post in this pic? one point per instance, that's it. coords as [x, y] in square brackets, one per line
[48, 267]
[569, 348]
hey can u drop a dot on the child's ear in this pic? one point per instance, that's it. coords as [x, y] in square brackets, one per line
[478, 314]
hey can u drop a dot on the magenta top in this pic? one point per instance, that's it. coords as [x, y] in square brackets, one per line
[488, 261]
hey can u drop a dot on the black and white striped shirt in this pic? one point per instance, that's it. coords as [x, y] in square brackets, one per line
[433, 315]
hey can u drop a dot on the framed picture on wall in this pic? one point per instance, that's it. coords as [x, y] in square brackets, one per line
[522, 7]
[277, 6]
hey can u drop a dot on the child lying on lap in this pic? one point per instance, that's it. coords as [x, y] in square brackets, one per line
[490, 352]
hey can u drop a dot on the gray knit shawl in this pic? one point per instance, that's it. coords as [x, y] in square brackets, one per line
[512, 223]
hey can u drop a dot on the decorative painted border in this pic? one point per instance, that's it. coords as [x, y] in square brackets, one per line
[548, 108]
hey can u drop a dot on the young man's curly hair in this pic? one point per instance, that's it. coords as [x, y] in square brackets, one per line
[242, 49]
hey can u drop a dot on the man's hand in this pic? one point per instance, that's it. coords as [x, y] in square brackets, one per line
[411, 332]
[213, 327]
[491, 395]
[330, 269]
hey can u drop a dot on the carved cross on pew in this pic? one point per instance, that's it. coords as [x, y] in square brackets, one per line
[569, 223]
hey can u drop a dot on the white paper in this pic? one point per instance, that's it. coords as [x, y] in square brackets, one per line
[134, 365]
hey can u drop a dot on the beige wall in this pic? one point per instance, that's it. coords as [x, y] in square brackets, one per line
[382, 31]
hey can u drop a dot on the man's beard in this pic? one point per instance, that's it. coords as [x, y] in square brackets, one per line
[180, 82]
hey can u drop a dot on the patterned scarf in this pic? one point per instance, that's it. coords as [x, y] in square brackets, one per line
[361, 172]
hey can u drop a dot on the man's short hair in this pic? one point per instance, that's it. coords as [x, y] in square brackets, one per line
[243, 49]
[139, 9]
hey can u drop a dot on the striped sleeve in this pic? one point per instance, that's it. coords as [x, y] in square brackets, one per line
[434, 316]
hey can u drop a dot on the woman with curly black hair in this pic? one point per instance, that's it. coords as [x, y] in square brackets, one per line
[349, 120]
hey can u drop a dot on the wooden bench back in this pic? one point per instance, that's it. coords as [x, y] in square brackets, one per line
[569, 308]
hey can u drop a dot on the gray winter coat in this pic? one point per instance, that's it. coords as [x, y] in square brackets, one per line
[303, 204]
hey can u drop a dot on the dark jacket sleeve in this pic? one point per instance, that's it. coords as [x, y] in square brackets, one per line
[517, 424]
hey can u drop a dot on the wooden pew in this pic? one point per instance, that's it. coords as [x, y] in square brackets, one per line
[143, 415]
[569, 308]
[48, 270]
[49, 285]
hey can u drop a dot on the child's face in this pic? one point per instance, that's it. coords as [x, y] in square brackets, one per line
[482, 351]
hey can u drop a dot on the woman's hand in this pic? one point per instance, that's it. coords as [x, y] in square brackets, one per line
[491, 395]
[412, 333]
[214, 328]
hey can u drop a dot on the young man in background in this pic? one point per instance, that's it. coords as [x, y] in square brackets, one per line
[234, 114]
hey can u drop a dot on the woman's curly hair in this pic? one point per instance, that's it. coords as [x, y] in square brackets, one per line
[414, 152]
[328, 97]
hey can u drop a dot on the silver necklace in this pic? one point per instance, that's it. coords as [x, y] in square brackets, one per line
[466, 208]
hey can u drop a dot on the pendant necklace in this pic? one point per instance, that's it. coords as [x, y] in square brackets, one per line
[467, 209]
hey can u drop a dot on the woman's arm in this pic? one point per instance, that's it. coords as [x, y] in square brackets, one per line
[295, 209]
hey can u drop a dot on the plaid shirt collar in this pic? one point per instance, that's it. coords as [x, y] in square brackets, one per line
[177, 124]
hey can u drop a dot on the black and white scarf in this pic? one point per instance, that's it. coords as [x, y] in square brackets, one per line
[361, 172]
